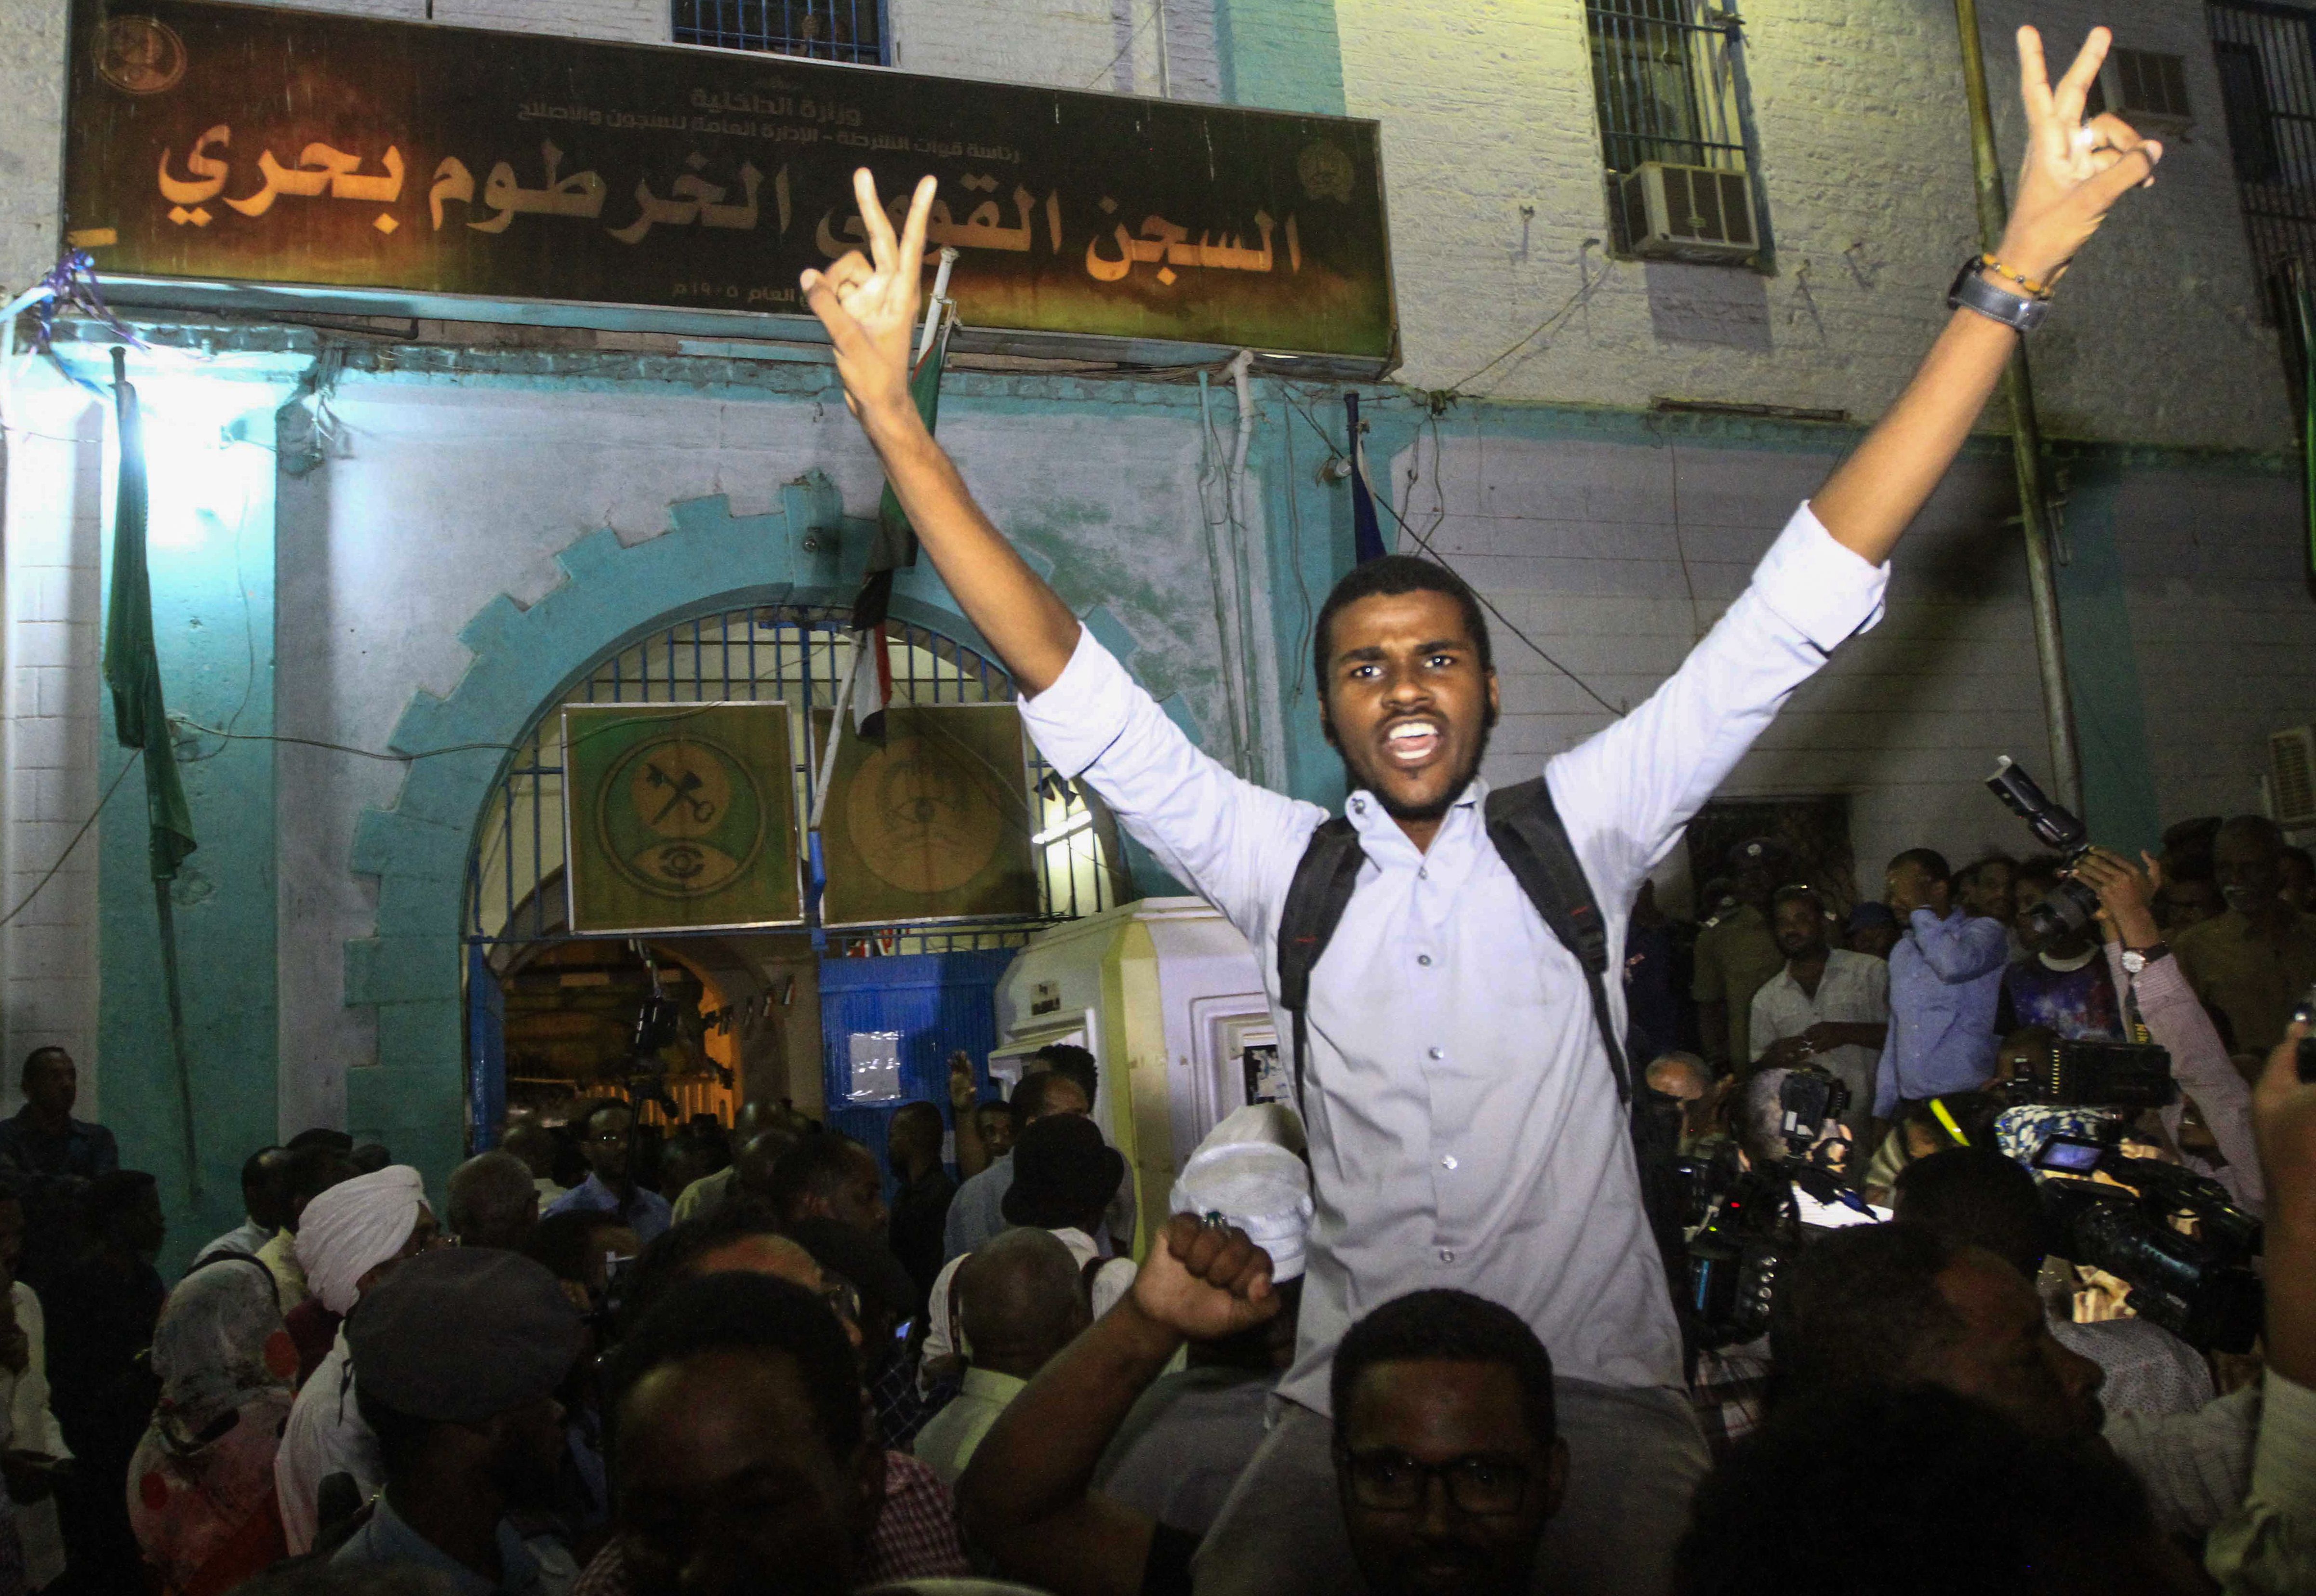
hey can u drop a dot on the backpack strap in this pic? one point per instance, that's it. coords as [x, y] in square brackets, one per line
[1527, 833]
[1320, 891]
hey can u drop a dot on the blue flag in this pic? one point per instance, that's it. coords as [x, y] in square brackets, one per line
[1367, 534]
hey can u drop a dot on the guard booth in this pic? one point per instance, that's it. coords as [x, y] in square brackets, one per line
[1165, 994]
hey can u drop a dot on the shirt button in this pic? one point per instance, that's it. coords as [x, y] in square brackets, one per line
[1424, 959]
[1423, 872]
[1435, 1053]
[1449, 1162]
[1358, 806]
[1447, 1255]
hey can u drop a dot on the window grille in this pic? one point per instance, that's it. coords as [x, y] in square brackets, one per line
[515, 883]
[825, 30]
[2267, 59]
[1668, 86]
[2143, 83]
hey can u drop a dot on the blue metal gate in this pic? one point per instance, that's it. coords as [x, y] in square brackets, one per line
[938, 1001]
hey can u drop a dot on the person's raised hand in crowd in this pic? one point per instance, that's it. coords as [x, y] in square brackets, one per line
[2126, 894]
[2284, 1120]
[971, 1148]
[1204, 1282]
[1028, 1496]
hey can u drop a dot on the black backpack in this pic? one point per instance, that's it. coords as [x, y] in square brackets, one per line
[1534, 845]
[1533, 842]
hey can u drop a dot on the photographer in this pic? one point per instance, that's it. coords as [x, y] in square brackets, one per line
[2155, 989]
[2270, 1546]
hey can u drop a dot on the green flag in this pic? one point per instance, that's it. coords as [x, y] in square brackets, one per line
[895, 547]
[132, 668]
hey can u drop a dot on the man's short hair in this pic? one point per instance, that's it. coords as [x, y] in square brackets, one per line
[1453, 1327]
[1934, 1492]
[1933, 863]
[752, 1313]
[1862, 1307]
[320, 1135]
[816, 1166]
[600, 1106]
[488, 1194]
[32, 1062]
[1396, 573]
[1689, 1063]
[922, 1115]
[673, 1255]
[1798, 892]
[1029, 1100]
[1974, 1197]
[254, 1174]
[1070, 1060]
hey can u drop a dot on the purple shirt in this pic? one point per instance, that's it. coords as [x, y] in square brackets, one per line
[1945, 978]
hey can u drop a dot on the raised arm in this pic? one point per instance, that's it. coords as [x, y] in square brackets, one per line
[1961, 947]
[1026, 1495]
[870, 308]
[2074, 170]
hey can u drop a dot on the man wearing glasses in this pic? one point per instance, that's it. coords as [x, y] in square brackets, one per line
[604, 1142]
[1446, 1459]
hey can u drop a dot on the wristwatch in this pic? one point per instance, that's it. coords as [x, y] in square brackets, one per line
[1973, 291]
[2135, 959]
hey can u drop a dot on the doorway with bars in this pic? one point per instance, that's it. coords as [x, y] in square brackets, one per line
[557, 1017]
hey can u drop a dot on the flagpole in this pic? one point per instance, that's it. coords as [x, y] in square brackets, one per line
[835, 730]
[936, 306]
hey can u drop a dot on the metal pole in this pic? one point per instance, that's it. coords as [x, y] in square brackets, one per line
[2025, 438]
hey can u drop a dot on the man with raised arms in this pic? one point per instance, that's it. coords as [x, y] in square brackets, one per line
[1464, 1125]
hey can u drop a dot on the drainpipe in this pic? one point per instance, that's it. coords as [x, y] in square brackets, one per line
[2025, 438]
[1241, 364]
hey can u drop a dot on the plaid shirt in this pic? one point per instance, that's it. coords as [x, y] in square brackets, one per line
[915, 1537]
[902, 1410]
[1727, 1394]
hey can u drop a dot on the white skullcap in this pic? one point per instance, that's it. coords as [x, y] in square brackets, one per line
[355, 1226]
[1245, 1171]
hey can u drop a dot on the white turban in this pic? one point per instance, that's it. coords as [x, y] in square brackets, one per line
[1250, 1169]
[355, 1226]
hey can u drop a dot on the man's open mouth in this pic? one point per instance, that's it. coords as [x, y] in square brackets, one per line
[1410, 744]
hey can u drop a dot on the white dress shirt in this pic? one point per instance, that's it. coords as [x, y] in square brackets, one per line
[1464, 1125]
[326, 1435]
[1854, 989]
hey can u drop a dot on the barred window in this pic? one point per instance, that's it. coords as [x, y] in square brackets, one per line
[2140, 83]
[1667, 83]
[2267, 61]
[825, 30]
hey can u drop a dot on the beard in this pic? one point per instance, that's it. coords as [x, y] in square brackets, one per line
[1355, 779]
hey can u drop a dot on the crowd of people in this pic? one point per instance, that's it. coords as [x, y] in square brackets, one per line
[639, 1357]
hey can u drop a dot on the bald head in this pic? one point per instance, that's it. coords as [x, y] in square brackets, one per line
[1681, 1074]
[762, 1254]
[1020, 1302]
[493, 1201]
[753, 1169]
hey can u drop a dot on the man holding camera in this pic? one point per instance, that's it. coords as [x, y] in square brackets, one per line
[1466, 1128]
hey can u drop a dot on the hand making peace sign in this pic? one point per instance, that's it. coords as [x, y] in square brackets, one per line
[2074, 170]
[870, 307]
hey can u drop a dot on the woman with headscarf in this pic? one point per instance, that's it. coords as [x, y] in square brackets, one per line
[348, 1237]
[200, 1488]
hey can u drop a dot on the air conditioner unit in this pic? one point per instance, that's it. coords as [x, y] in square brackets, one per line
[2292, 777]
[1688, 212]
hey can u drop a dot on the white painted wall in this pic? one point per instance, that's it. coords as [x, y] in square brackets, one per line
[51, 696]
[1865, 158]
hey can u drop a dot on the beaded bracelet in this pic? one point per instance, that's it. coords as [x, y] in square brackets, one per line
[2040, 290]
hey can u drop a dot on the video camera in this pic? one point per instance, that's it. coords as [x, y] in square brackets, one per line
[2096, 1074]
[2072, 906]
[2195, 1281]
[1741, 1220]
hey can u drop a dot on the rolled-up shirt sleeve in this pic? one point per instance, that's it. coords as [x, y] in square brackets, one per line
[1209, 827]
[1626, 791]
[2175, 1018]
[2269, 1548]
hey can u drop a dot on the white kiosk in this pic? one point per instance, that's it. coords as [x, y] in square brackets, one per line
[1165, 994]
